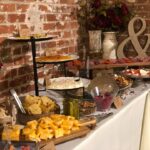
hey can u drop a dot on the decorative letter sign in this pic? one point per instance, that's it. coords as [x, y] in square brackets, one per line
[133, 37]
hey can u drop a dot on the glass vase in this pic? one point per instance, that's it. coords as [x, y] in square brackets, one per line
[109, 45]
[95, 41]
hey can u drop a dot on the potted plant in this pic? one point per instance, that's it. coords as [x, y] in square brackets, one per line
[107, 16]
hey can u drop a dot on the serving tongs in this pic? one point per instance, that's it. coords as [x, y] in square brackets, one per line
[18, 101]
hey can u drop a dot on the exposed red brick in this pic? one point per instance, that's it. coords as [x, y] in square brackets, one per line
[25, 70]
[40, 74]
[75, 32]
[22, 7]
[66, 9]
[24, 1]
[14, 72]
[23, 26]
[66, 34]
[10, 74]
[29, 77]
[74, 24]
[18, 55]
[43, 8]
[2, 18]
[7, 7]
[7, 29]
[65, 50]
[142, 7]
[51, 17]
[63, 25]
[51, 44]
[7, 75]
[18, 81]
[142, 1]
[25, 48]
[27, 59]
[19, 60]
[67, 1]
[17, 51]
[72, 49]
[63, 43]
[8, 61]
[147, 22]
[16, 18]
[4, 94]
[49, 26]
[3, 85]
[27, 88]
[2, 40]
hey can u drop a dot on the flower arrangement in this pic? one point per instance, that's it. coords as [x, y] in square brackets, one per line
[105, 16]
[1, 65]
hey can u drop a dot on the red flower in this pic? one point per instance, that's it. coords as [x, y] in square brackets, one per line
[117, 21]
[110, 13]
[1, 64]
[96, 4]
[107, 17]
[124, 9]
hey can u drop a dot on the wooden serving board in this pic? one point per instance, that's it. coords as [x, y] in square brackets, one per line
[50, 144]
[108, 66]
[75, 134]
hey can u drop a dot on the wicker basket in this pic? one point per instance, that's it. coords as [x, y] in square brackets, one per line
[24, 118]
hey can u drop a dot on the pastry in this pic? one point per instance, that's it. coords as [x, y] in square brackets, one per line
[64, 83]
[55, 58]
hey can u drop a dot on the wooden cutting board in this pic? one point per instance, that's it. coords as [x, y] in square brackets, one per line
[75, 134]
[50, 144]
[84, 129]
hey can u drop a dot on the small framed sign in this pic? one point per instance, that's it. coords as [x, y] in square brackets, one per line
[118, 102]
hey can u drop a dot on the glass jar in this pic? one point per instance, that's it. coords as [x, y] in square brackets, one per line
[71, 107]
[103, 89]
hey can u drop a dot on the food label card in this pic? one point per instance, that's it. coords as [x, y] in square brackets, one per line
[118, 102]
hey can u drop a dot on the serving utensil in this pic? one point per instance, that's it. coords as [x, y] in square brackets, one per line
[18, 101]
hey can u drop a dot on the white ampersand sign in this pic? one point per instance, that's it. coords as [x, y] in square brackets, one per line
[133, 37]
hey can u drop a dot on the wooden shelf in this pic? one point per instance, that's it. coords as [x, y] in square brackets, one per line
[109, 66]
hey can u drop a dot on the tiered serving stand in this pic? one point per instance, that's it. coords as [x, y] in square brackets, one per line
[33, 41]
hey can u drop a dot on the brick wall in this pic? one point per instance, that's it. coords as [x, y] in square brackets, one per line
[141, 9]
[56, 17]
[49, 16]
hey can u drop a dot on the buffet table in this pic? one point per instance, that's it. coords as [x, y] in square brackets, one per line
[121, 131]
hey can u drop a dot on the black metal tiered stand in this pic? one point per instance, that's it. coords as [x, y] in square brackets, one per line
[33, 41]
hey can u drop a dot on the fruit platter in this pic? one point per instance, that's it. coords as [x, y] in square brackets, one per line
[122, 62]
[137, 73]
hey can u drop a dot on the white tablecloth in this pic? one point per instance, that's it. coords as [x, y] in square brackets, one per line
[145, 136]
[121, 131]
